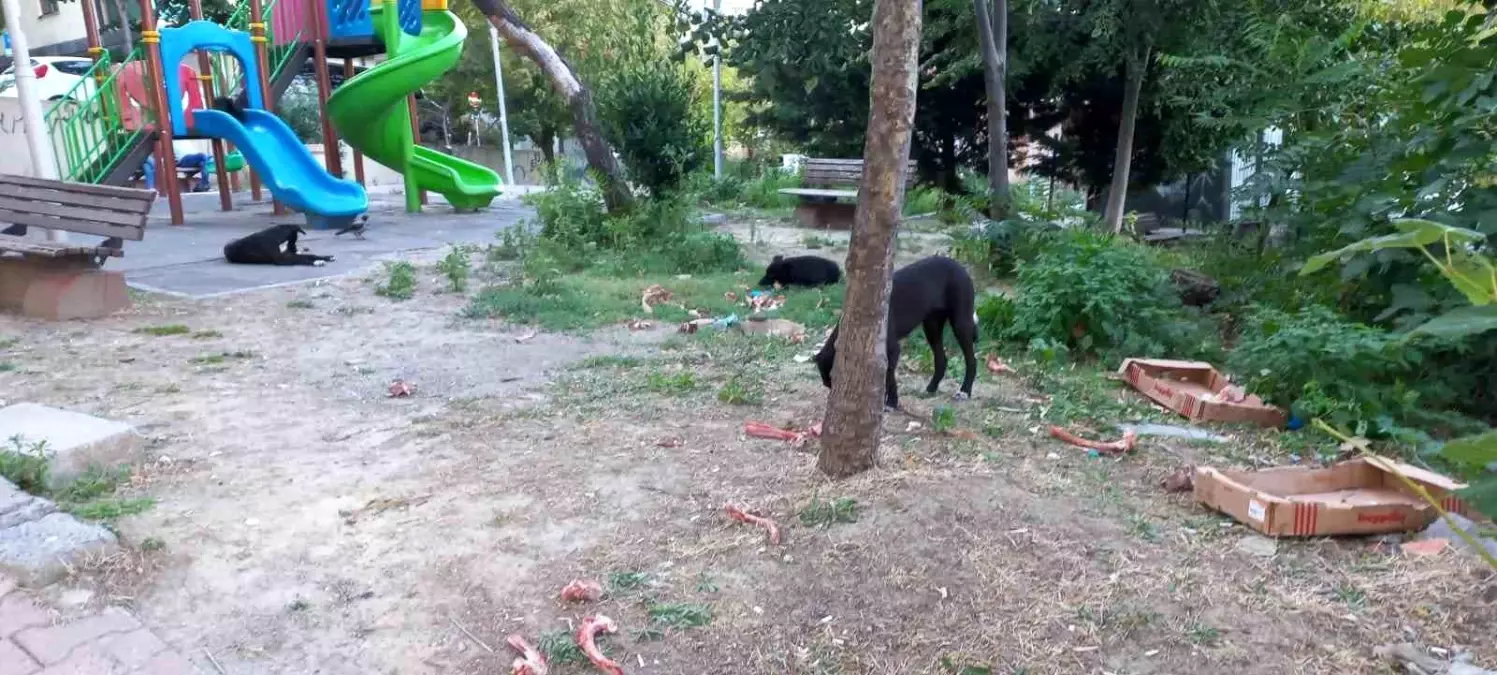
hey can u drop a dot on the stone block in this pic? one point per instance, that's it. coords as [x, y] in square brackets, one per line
[13, 661]
[18, 612]
[76, 441]
[47, 290]
[38, 552]
[133, 649]
[53, 644]
[17, 506]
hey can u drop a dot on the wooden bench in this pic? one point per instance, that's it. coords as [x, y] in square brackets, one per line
[824, 187]
[62, 280]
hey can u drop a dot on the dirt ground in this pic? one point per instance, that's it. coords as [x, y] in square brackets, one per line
[308, 523]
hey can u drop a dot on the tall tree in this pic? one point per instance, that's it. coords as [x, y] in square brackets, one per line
[992, 31]
[570, 87]
[855, 408]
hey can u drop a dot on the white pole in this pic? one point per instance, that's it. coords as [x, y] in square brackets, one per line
[38, 142]
[509, 161]
[717, 103]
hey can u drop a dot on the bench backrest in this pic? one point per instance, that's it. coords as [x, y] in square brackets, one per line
[104, 210]
[829, 173]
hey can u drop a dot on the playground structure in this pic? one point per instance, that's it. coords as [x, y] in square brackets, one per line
[105, 134]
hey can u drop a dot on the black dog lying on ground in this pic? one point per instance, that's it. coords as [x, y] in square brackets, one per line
[264, 248]
[805, 270]
[930, 293]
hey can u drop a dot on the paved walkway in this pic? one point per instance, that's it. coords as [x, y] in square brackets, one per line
[111, 642]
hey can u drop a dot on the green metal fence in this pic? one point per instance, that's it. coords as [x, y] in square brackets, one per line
[88, 123]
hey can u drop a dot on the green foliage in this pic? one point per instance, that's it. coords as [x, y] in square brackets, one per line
[1099, 295]
[741, 389]
[298, 108]
[163, 330]
[1325, 366]
[400, 281]
[671, 384]
[747, 186]
[620, 582]
[995, 314]
[943, 419]
[560, 647]
[659, 235]
[456, 267]
[824, 513]
[25, 464]
[647, 114]
[679, 615]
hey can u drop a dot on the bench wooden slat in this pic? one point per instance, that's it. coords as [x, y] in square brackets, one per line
[49, 249]
[82, 188]
[53, 223]
[137, 206]
[10, 206]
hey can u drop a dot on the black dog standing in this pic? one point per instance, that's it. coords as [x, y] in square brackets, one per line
[805, 270]
[264, 248]
[930, 293]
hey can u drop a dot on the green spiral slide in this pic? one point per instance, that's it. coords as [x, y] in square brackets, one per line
[371, 113]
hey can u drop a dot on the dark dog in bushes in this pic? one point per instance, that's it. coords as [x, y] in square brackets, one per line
[931, 293]
[805, 270]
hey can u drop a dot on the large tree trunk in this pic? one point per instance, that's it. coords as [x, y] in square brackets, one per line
[855, 408]
[565, 83]
[992, 32]
[1133, 83]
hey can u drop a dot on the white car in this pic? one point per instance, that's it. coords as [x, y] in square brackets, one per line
[55, 78]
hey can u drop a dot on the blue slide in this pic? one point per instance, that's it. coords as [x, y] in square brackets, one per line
[290, 172]
[276, 154]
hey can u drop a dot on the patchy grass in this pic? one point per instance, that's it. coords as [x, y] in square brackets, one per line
[164, 330]
[24, 464]
[814, 242]
[741, 389]
[680, 615]
[608, 361]
[823, 513]
[399, 283]
[207, 335]
[220, 357]
[7, 366]
[560, 647]
[585, 301]
[671, 384]
[622, 582]
[456, 267]
[300, 304]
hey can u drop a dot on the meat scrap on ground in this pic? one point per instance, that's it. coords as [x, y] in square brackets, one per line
[586, 634]
[1118, 447]
[531, 661]
[766, 430]
[739, 513]
[582, 590]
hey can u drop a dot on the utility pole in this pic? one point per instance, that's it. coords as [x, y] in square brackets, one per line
[38, 142]
[509, 162]
[717, 101]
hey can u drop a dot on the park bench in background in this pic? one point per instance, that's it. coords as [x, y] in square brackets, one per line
[63, 280]
[829, 192]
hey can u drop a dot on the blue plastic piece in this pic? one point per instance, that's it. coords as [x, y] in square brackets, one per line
[1294, 423]
[349, 19]
[286, 166]
[205, 35]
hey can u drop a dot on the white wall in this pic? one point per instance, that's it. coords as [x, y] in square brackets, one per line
[43, 31]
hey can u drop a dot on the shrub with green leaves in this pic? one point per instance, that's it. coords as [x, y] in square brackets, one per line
[1326, 366]
[647, 114]
[1101, 295]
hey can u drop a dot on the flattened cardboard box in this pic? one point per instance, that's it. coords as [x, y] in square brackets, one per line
[1193, 389]
[1360, 496]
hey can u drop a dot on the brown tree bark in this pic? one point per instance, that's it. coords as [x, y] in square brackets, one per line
[992, 32]
[855, 408]
[565, 83]
[1117, 192]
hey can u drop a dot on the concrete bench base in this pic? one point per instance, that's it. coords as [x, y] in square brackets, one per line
[60, 289]
[826, 215]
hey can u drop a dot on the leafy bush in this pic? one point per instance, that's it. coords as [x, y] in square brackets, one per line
[660, 235]
[1326, 366]
[647, 114]
[1101, 295]
[754, 188]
